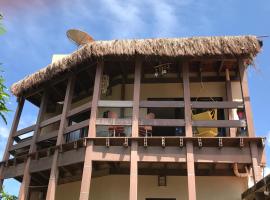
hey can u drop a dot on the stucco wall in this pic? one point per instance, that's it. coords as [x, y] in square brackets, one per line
[116, 187]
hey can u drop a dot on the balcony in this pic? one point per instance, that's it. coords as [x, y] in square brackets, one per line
[76, 133]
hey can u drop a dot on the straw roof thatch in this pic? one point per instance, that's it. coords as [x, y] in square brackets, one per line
[233, 46]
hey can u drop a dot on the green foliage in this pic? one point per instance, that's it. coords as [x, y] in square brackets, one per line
[2, 29]
[3, 99]
[3, 94]
[6, 196]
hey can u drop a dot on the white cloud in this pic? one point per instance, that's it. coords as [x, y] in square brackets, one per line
[268, 138]
[4, 132]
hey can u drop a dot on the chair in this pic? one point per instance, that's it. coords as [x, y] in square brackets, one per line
[145, 131]
[115, 131]
[206, 132]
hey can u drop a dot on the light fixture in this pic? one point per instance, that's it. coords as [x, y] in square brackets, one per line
[162, 180]
[105, 80]
[162, 69]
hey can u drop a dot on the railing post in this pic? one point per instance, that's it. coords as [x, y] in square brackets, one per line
[87, 168]
[24, 189]
[63, 123]
[232, 131]
[249, 119]
[10, 140]
[188, 130]
[133, 185]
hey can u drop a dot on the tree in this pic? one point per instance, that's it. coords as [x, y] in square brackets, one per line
[3, 94]
[5, 196]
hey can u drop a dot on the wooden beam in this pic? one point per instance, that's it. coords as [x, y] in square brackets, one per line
[24, 130]
[63, 123]
[123, 90]
[232, 131]
[219, 123]
[50, 121]
[24, 189]
[80, 109]
[188, 128]
[255, 164]
[246, 98]
[161, 122]
[216, 104]
[115, 104]
[161, 104]
[133, 184]
[249, 119]
[111, 121]
[87, 168]
[13, 130]
[186, 88]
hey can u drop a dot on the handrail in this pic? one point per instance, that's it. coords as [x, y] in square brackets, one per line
[77, 126]
[161, 122]
[219, 123]
[47, 136]
[162, 104]
[111, 122]
[216, 104]
[25, 130]
[115, 104]
[50, 121]
[22, 144]
[79, 109]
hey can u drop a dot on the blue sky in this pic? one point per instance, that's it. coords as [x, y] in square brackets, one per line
[36, 30]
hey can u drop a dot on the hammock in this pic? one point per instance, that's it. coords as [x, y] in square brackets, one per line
[208, 115]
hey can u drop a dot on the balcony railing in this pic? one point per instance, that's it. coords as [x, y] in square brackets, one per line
[24, 143]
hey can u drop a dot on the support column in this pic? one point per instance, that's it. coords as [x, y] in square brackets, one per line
[188, 128]
[249, 118]
[10, 140]
[24, 189]
[87, 168]
[229, 98]
[133, 184]
[63, 123]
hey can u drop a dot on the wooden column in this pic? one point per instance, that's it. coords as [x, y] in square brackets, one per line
[133, 184]
[87, 168]
[188, 128]
[63, 123]
[24, 189]
[229, 98]
[10, 140]
[249, 119]
[246, 99]
[123, 92]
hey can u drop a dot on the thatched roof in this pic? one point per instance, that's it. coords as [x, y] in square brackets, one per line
[233, 46]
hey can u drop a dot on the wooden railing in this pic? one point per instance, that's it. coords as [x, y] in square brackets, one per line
[128, 121]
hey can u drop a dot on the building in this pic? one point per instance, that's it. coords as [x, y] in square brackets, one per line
[153, 119]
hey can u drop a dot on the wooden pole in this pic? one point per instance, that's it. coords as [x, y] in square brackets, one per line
[188, 128]
[123, 92]
[10, 140]
[63, 123]
[249, 118]
[232, 131]
[133, 187]
[24, 189]
[246, 98]
[87, 168]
